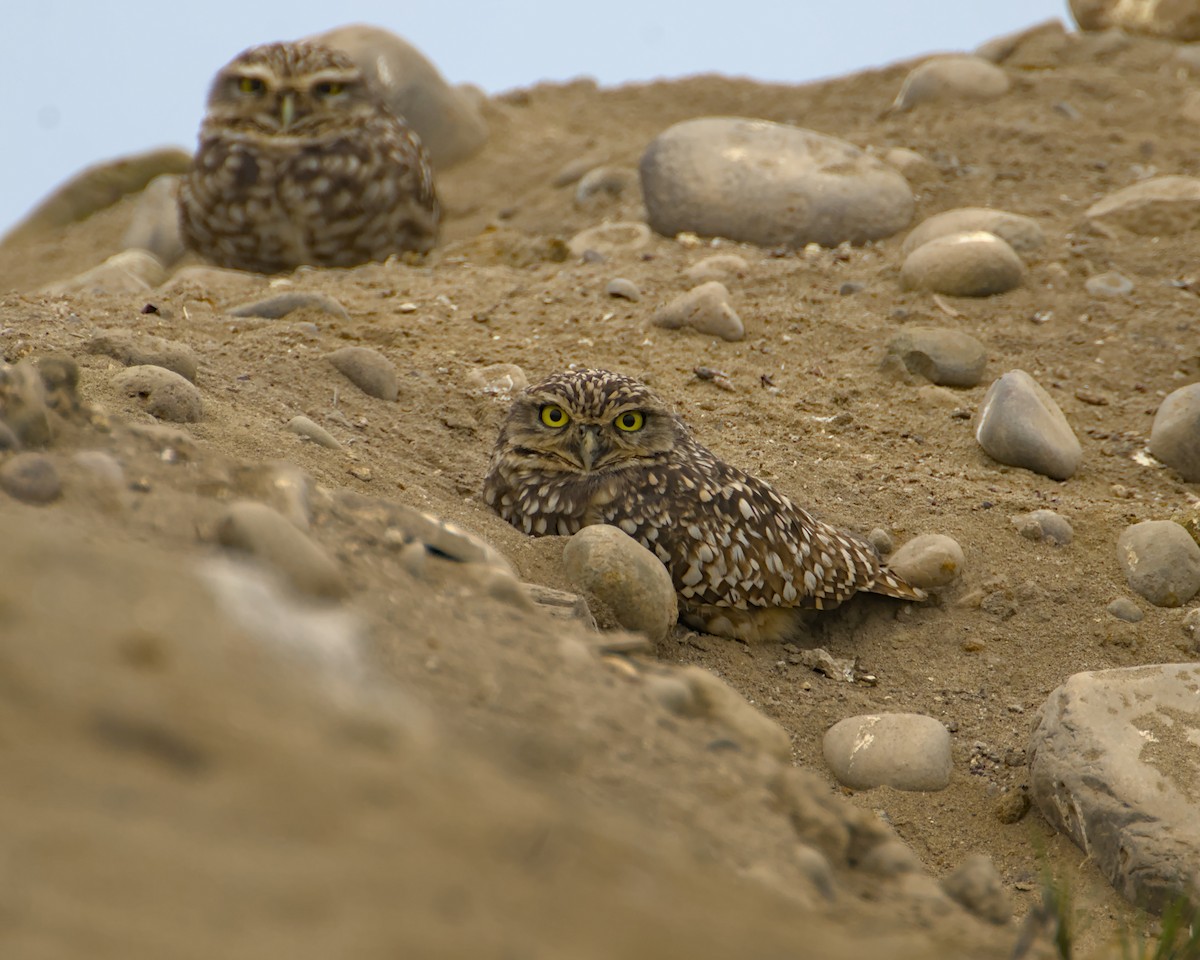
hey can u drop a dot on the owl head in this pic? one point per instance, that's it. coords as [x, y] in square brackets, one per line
[289, 89]
[590, 421]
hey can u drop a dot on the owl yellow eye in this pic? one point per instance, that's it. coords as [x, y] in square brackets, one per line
[328, 89]
[251, 85]
[554, 416]
[630, 421]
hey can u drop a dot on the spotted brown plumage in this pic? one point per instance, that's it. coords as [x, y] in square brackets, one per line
[300, 163]
[590, 446]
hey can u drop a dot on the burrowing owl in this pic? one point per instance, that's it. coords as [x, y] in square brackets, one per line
[591, 446]
[300, 163]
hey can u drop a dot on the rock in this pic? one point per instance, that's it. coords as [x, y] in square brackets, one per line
[369, 370]
[281, 304]
[943, 356]
[571, 171]
[140, 349]
[1021, 233]
[154, 226]
[673, 694]
[1125, 609]
[97, 187]
[977, 885]
[1113, 763]
[30, 478]
[1191, 628]
[60, 377]
[610, 239]
[769, 184]
[23, 404]
[1044, 525]
[267, 535]
[161, 393]
[882, 541]
[563, 605]
[200, 280]
[977, 264]
[448, 122]
[1020, 424]
[1173, 19]
[1108, 285]
[1175, 435]
[306, 428]
[1160, 561]
[626, 289]
[100, 480]
[951, 79]
[498, 379]
[1161, 205]
[604, 183]
[705, 309]
[915, 167]
[130, 271]
[929, 560]
[999, 49]
[907, 751]
[630, 582]
[755, 731]
[721, 266]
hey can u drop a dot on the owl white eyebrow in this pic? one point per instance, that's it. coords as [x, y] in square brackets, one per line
[332, 74]
[253, 71]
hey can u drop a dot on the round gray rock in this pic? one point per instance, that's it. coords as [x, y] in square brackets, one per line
[1021, 233]
[1125, 609]
[930, 560]
[953, 78]
[947, 357]
[1020, 424]
[31, 478]
[907, 751]
[977, 264]
[1175, 435]
[705, 309]
[162, 393]
[266, 534]
[628, 580]
[369, 370]
[770, 184]
[626, 289]
[1044, 525]
[1160, 561]
[1162, 205]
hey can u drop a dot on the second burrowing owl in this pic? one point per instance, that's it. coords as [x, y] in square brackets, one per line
[589, 446]
[300, 163]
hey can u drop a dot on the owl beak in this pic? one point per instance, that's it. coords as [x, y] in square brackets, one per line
[589, 446]
[287, 110]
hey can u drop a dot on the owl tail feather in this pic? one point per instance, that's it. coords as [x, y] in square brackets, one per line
[893, 585]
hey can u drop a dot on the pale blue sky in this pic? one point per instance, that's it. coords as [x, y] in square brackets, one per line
[89, 81]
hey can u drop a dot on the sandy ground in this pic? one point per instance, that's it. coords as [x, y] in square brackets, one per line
[810, 411]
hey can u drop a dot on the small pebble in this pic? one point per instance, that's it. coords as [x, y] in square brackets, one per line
[280, 305]
[929, 560]
[1175, 434]
[881, 540]
[940, 355]
[916, 168]
[949, 79]
[306, 428]
[977, 885]
[369, 370]
[673, 694]
[977, 264]
[498, 379]
[620, 287]
[604, 182]
[1044, 525]
[1161, 562]
[1020, 424]
[1021, 233]
[269, 536]
[1160, 205]
[851, 287]
[610, 239]
[906, 751]
[630, 582]
[571, 171]
[1125, 609]
[705, 309]
[31, 478]
[720, 266]
[162, 393]
[1108, 285]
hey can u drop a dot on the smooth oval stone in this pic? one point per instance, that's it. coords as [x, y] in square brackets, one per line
[610, 238]
[1020, 424]
[977, 264]
[281, 304]
[929, 560]
[154, 226]
[369, 370]
[953, 78]
[940, 355]
[448, 122]
[31, 478]
[906, 751]
[130, 271]
[1044, 525]
[705, 309]
[1108, 285]
[1160, 561]
[631, 583]
[1125, 609]
[626, 289]
[601, 182]
[161, 393]
[1175, 435]
[1021, 233]
[770, 184]
[915, 167]
[720, 266]
[304, 427]
[1162, 205]
[269, 536]
[144, 349]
